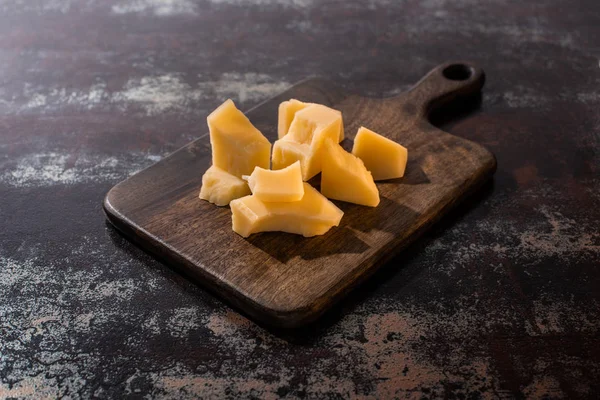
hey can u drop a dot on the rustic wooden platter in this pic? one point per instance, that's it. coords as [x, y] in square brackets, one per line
[284, 279]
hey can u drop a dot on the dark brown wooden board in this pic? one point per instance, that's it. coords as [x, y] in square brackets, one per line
[288, 280]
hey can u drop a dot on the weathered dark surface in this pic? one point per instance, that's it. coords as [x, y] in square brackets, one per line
[501, 299]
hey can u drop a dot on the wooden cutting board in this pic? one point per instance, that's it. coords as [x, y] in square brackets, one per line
[288, 280]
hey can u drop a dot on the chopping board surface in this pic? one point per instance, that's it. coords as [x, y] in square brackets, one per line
[288, 280]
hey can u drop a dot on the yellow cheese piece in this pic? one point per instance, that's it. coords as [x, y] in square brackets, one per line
[304, 141]
[312, 215]
[313, 120]
[220, 187]
[277, 186]
[344, 177]
[287, 111]
[237, 146]
[285, 153]
[385, 158]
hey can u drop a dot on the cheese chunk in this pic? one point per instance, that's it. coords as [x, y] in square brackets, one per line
[285, 153]
[237, 146]
[344, 177]
[287, 111]
[220, 187]
[385, 158]
[304, 141]
[312, 215]
[313, 120]
[277, 186]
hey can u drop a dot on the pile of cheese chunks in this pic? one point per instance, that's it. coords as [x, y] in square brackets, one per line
[279, 199]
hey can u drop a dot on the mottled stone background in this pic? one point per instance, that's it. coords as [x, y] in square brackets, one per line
[502, 298]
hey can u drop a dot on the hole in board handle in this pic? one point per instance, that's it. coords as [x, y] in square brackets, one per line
[457, 72]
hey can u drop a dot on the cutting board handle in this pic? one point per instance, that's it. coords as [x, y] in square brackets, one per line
[443, 84]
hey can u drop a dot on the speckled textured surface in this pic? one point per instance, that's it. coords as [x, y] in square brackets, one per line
[502, 298]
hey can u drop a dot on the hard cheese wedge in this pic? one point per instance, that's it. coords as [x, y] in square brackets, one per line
[344, 177]
[220, 187]
[304, 141]
[237, 146]
[277, 186]
[287, 111]
[385, 158]
[286, 153]
[312, 215]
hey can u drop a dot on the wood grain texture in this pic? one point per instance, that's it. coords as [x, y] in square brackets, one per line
[284, 279]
